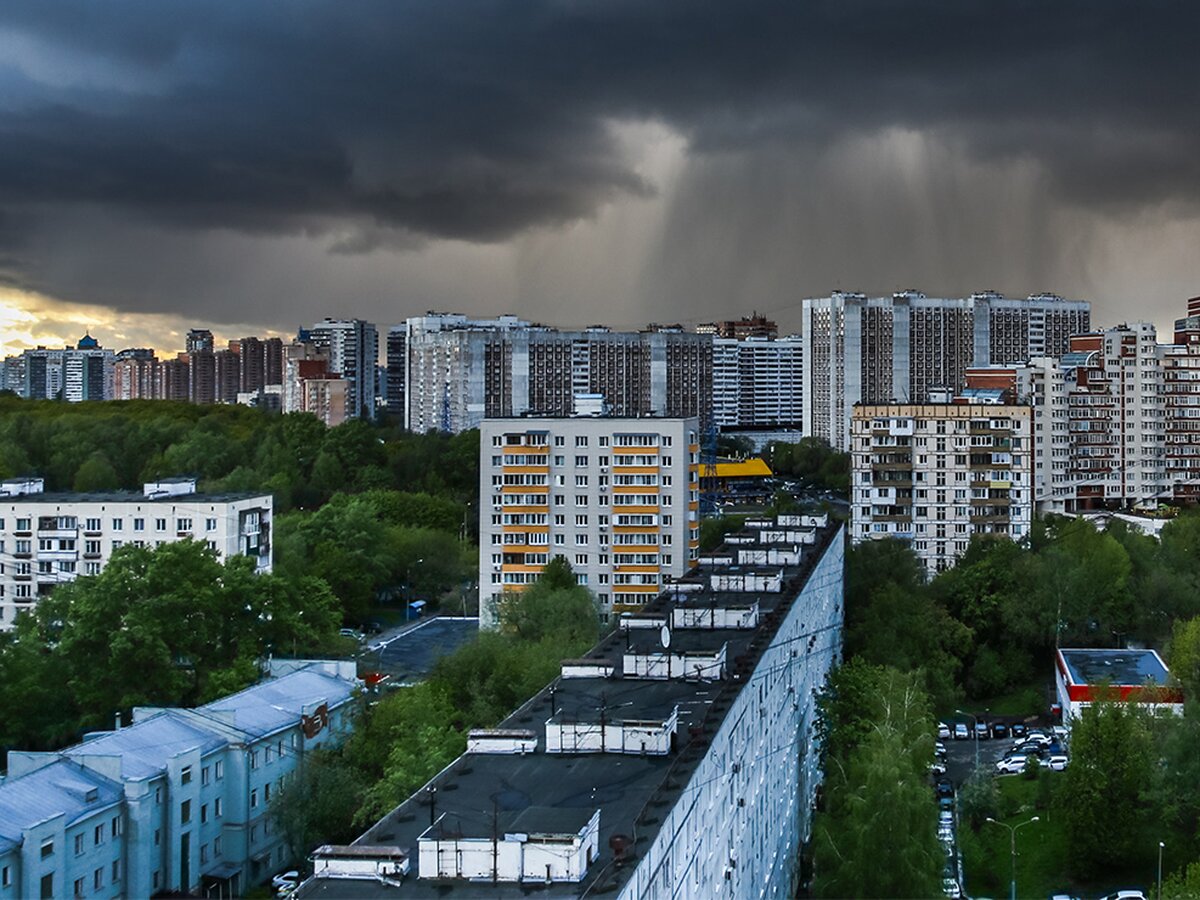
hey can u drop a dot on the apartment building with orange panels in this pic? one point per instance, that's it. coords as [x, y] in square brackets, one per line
[617, 497]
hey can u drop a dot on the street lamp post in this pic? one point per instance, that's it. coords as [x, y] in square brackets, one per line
[1161, 845]
[1012, 834]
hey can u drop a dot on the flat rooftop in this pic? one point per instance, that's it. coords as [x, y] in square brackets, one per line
[1125, 668]
[482, 794]
[61, 498]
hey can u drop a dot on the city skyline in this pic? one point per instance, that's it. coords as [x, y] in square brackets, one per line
[249, 173]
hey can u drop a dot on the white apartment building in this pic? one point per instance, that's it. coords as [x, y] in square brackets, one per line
[936, 474]
[177, 802]
[47, 538]
[352, 348]
[461, 371]
[907, 348]
[678, 759]
[757, 381]
[618, 497]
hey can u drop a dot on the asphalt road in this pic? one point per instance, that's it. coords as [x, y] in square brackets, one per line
[410, 653]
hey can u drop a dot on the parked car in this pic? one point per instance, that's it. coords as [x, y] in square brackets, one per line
[1056, 761]
[351, 633]
[1040, 737]
[982, 732]
[1018, 729]
[950, 888]
[944, 788]
[937, 767]
[1027, 749]
[943, 731]
[1125, 895]
[945, 803]
[939, 749]
[999, 730]
[960, 731]
[1011, 765]
[946, 817]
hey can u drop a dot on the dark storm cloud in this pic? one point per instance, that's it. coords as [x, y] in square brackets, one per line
[479, 120]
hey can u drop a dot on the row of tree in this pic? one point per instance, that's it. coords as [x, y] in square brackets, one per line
[991, 623]
[120, 445]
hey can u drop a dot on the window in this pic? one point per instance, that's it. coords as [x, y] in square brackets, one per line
[205, 776]
[156, 879]
[116, 871]
[98, 879]
[266, 793]
[79, 845]
[217, 808]
[139, 524]
[254, 759]
[6, 877]
[185, 775]
[210, 524]
[267, 756]
[157, 837]
[47, 848]
[254, 798]
[581, 460]
[219, 769]
[98, 834]
[116, 826]
[92, 525]
[581, 440]
[160, 524]
[203, 854]
[217, 846]
[158, 795]
[185, 811]
[183, 524]
[78, 889]
[203, 813]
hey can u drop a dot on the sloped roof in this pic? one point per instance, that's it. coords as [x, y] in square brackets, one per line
[746, 468]
[60, 788]
[145, 746]
[278, 703]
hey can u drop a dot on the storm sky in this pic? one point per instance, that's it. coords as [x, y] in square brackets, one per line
[254, 166]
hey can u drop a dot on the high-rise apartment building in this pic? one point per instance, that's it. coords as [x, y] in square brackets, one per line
[618, 497]
[933, 475]
[462, 371]
[396, 374]
[48, 538]
[908, 348]
[352, 348]
[757, 381]
[1116, 417]
[74, 374]
[199, 340]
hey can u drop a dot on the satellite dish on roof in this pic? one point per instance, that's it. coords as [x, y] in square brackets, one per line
[664, 635]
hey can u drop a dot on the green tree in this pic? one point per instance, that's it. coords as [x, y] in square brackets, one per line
[1102, 797]
[877, 835]
[96, 474]
[554, 605]
[319, 805]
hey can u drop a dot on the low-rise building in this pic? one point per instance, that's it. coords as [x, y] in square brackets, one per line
[1083, 677]
[678, 758]
[176, 802]
[50, 537]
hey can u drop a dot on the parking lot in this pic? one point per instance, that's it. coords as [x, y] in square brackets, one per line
[408, 654]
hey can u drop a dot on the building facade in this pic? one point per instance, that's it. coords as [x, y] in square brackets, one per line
[758, 382]
[619, 498]
[177, 802]
[352, 348]
[47, 538]
[933, 475]
[462, 371]
[907, 348]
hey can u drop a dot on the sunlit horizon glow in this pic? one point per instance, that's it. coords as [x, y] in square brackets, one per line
[29, 320]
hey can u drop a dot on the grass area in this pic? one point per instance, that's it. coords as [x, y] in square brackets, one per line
[1042, 850]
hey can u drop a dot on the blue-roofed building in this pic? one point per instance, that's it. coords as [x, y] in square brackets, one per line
[177, 801]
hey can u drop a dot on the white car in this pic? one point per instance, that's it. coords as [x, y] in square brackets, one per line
[1057, 762]
[1038, 736]
[960, 731]
[286, 879]
[1011, 765]
[945, 834]
[950, 888]
[943, 731]
[937, 767]
[945, 817]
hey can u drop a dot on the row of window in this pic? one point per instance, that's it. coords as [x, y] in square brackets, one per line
[581, 440]
[67, 523]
